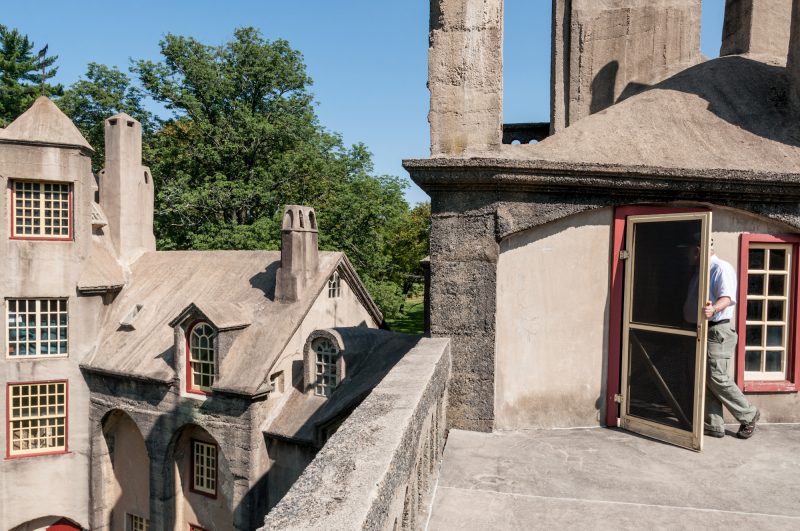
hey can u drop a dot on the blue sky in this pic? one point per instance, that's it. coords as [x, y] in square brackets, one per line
[368, 58]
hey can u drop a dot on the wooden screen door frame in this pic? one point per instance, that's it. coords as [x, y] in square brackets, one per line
[614, 414]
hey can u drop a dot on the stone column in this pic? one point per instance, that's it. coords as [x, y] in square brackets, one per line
[464, 256]
[465, 76]
[759, 27]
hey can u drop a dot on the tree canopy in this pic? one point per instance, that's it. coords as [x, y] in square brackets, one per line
[23, 74]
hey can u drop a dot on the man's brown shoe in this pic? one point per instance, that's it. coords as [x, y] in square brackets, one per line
[746, 430]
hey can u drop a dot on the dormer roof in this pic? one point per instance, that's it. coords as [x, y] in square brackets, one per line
[44, 123]
[222, 315]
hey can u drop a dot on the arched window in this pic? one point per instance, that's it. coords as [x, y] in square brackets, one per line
[201, 355]
[327, 357]
[334, 286]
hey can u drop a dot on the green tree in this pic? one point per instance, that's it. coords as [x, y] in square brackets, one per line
[244, 140]
[103, 92]
[410, 244]
[23, 74]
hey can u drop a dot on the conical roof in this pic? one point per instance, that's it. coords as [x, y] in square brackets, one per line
[45, 123]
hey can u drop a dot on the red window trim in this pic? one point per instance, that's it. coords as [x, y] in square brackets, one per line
[8, 420]
[792, 366]
[11, 211]
[193, 527]
[191, 468]
[188, 371]
[617, 288]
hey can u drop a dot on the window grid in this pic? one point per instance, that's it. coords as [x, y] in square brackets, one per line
[137, 523]
[37, 418]
[36, 327]
[768, 311]
[201, 358]
[327, 356]
[204, 467]
[42, 210]
[334, 286]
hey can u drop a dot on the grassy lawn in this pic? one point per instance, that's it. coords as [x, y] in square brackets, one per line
[412, 318]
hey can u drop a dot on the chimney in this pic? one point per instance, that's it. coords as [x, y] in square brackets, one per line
[126, 190]
[757, 27]
[793, 60]
[299, 252]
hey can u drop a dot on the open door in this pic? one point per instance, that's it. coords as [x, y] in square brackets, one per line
[664, 333]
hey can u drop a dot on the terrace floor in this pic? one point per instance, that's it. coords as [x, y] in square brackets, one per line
[613, 479]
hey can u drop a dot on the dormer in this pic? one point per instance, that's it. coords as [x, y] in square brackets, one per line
[204, 334]
[324, 366]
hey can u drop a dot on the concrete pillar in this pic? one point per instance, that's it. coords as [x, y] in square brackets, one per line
[758, 27]
[793, 60]
[465, 76]
[126, 189]
[299, 252]
[605, 50]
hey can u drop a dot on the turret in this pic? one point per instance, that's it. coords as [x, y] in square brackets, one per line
[299, 252]
[126, 189]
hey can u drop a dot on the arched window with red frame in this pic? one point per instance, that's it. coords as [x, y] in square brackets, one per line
[201, 358]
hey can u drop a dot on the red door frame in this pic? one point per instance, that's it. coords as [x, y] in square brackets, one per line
[617, 288]
[64, 525]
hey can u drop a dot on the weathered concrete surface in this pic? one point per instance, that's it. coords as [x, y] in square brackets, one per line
[610, 479]
[758, 27]
[793, 60]
[465, 76]
[604, 49]
[375, 471]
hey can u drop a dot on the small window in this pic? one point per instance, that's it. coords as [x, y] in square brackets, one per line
[204, 467]
[136, 523]
[334, 286]
[36, 327]
[37, 418]
[41, 211]
[276, 382]
[766, 358]
[201, 368]
[327, 357]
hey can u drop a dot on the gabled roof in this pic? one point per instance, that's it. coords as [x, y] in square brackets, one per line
[369, 355]
[44, 123]
[217, 283]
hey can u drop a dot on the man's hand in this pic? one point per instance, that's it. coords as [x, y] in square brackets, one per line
[709, 310]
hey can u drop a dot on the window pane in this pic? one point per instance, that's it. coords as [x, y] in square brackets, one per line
[774, 336]
[774, 361]
[756, 258]
[755, 284]
[753, 336]
[774, 310]
[777, 284]
[777, 260]
[752, 361]
[755, 310]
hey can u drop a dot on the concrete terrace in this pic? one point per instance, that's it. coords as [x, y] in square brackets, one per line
[612, 479]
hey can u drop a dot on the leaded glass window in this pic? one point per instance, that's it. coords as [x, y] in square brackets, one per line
[202, 357]
[327, 356]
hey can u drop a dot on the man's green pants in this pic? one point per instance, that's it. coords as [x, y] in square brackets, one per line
[721, 390]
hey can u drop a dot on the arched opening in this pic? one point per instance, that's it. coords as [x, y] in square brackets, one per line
[125, 473]
[203, 480]
[49, 523]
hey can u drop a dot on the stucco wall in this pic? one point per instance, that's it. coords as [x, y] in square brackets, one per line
[131, 471]
[552, 320]
[552, 309]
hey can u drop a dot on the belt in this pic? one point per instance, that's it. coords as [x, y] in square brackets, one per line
[721, 321]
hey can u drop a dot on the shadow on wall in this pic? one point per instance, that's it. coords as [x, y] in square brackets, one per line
[745, 93]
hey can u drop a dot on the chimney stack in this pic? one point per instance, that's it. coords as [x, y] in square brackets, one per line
[793, 60]
[757, 27]
[126, 190]
[299, 252]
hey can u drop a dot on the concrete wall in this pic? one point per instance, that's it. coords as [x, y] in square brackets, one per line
[552, 320]
[758, 27]
[606, 49]
[287, 463]
[130, 470]
[465, 76]
[793, 60]
[552, 323]
[41, 269]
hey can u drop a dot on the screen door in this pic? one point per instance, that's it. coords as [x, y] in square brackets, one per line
[664, 332]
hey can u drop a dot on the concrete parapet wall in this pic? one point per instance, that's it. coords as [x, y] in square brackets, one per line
[376, 471]
[465, 76]
[759, 27]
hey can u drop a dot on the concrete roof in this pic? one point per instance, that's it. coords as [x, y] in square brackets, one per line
[165, 284]
[369, 355]
[727, 113]
[44, 123]
[101, 271]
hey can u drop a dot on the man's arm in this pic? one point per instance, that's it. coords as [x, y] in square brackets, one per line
[710, 309]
